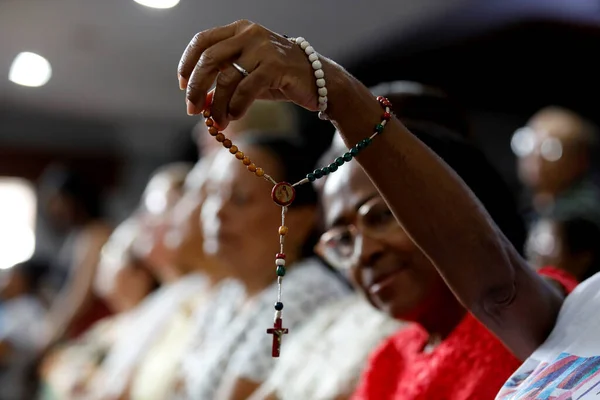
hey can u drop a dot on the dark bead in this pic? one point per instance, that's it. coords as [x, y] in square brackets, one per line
[279, 306]
[325, 171]
[311, 177]
[318, 173]
[366, 142]
[280, 270]
[379, 128]
[347, 157]
[333, 167]
[360, 145]
[354, 151]
[339, 161]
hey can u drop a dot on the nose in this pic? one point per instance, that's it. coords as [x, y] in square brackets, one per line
[367, 251]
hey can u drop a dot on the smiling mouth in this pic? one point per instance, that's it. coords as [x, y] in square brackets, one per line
[384, 281]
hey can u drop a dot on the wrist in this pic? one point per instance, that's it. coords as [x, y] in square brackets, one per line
[351, 106]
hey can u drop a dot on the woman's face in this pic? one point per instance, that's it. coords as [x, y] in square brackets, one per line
[239, 220]
[363, 238]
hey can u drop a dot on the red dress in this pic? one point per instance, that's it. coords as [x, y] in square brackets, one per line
[470, 364]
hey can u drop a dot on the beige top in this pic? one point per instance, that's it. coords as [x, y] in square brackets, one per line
[156, 371]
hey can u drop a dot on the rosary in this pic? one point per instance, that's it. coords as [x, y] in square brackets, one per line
[283, 193]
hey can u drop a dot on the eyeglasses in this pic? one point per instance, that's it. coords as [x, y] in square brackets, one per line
[340, 246]
[525, 142]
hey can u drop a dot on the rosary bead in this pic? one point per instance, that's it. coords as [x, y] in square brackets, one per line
[213, 131]
[283, 230]
[206, 113]
[354, 151]
[325, 171]
[252, 168]
[311, 177]
[239, 155]
[220, 137]
[209, 122]
[280, 270]
[280, 262]
[246, 161]
[279, 306]
[233, 149]
[387, 116]
[280, 256]
[347, 157]
[333, 167]
[339, 161]
[318, 173]
[227, 143]
[259, 172]
[367, 141]
[379, 128]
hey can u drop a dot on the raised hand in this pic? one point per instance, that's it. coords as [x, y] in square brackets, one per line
[277, 70]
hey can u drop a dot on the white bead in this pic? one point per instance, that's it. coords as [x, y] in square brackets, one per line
[321, 82]
[323, 91]
[322, 99]
[313, 57]
[300, 40]
[317, 65]
[309, 50]
[304, 45]
[280, 262]
[323, 107]
[319, 73]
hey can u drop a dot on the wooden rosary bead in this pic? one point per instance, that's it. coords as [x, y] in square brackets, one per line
[259, 172]
[246, 161]
[233, 149]
[252, 167]
[239, 155]
[213, 131]
[209, 122]
[283, 230]
[220, 138]
[227, 143]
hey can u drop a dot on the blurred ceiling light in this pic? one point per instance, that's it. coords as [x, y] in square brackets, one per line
[30, 69]
[158, 3]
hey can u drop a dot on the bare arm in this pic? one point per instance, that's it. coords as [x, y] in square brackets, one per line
[447, 222]
[429, 200]
[77, 294]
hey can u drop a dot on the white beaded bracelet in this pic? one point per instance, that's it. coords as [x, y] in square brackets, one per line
[313, 57]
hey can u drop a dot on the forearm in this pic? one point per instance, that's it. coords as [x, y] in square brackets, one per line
[440, 214]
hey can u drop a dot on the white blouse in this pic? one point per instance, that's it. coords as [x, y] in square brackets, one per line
[232, 340]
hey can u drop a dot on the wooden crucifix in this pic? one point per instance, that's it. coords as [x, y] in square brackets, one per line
[277, 331]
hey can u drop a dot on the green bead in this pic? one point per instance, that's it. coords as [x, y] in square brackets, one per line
[347, 157]
[280, 270]
[325, 171]
[367, 142]
[339, 161]
[333, 167]
[354, 151]
[379, 128]
[310, 177]
[318, 173]
[360, 145]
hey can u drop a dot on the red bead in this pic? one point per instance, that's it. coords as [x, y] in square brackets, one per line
[280, 256]
[380, 98]
[387, 116]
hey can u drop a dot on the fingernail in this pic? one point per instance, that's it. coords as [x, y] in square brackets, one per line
[191, 108]
[182, 83]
